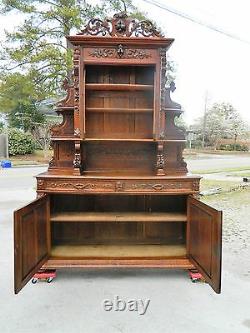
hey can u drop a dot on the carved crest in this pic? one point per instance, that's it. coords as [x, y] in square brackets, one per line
[121, 26]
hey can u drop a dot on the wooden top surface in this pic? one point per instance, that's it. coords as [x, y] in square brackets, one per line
[69, 174]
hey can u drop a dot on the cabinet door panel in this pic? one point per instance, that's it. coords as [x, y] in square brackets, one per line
[31, 240]
[204, 240]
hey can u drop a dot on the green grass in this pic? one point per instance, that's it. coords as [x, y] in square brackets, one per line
[209, 171]
[225, 185]
[240, 174]
[36, 158]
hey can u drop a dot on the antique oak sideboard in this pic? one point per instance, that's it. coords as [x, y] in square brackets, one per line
[117, 192]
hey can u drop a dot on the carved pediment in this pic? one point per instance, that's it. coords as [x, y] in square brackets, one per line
[120, 26]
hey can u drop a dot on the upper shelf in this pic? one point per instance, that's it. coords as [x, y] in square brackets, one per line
[119, 110]
[127, 87]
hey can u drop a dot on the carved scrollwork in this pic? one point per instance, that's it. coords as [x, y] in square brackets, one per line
[52, 162]
[145, 28]
[97, 27]
[121, 25]
[120, 52]
[68, 101]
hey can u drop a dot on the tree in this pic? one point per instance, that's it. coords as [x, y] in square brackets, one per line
[38, 48]
[16, 89]
[222, 120]
[26, 116]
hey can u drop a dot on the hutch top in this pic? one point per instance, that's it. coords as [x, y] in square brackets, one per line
[117, 192]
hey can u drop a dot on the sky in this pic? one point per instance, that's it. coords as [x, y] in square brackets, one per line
[208, 62]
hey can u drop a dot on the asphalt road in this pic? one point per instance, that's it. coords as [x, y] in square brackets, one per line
[23, 178]
[210, 162]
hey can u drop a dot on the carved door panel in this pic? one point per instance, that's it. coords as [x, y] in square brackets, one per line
[31, 240]
[204, 241]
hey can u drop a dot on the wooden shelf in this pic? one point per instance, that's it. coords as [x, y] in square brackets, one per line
[118, 217]
[108, 86]
[118, 139]
[133, 140]
[119, 110]
[118, 251]
[64, 138]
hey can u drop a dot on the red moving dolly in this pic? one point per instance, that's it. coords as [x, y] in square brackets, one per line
[195, 276]
[47, 275]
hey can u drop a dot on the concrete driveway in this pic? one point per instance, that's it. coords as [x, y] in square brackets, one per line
[74, 301]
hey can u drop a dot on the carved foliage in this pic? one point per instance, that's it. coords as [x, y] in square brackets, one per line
[120, 52]
[76, 64]
[77, 160]
[68, 101]
[120, 25]
[160, 160]
[127, 186]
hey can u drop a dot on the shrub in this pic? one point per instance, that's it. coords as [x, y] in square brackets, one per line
[231, 147]
[20, 143]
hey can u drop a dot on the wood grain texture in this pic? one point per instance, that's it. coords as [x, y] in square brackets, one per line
[118, 251]
[170, 263]
[31, 241]
[117, 217]
[204, 241]
[117, 183]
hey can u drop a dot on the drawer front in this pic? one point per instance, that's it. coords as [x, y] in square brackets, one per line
[118, 186]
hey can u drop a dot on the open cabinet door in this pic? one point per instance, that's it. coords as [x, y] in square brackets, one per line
[31, 240]
[204, 241]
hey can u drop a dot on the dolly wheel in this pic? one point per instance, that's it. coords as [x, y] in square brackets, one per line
[34, 280]
[50, 279]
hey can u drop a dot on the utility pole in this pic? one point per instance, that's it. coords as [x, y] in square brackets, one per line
[204, 120]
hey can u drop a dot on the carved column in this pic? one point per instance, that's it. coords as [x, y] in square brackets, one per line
[162, 118]
[160, 160]
[77, 160]
[76, 73]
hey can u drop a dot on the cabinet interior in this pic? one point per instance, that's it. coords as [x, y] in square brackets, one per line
[119, 102]
[118, 226]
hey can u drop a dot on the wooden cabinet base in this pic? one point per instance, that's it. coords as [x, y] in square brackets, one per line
[181, 263]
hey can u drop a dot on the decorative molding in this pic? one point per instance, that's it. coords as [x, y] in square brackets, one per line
[120, 26]
[77, 132]
[119, 52]
[196, 185]
[113, 186]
